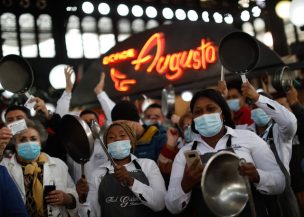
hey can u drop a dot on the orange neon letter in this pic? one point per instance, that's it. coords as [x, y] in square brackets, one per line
[143, 57]
[120, 81]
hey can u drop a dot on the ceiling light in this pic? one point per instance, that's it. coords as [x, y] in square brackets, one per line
[137, 11]
[104, 8]
[192, 15]
[180, 14]
[168, 13]
[218, 18]
[57, 77]
[187, 96]
[228, 19]
[122, 10]
[282, 9]
[245, 15]
[205, 16]
[297, 12]
[256, 11]
[87, 7]
[151, 12]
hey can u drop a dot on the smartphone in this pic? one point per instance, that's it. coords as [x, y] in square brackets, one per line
[191, 155]
[47, 189]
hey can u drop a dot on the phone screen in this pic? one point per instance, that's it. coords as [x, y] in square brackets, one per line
[47, 189]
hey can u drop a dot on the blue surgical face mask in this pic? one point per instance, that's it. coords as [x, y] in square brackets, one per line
[28, 150]
[119, 149]
[234, 104]
[148, 122]
[259, 117]
[188, 134]
[208, 125]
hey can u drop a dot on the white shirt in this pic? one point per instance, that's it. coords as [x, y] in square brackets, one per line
[246, 145]
[107, 105]
[153, 194]
[63, 104]
[55, 171]
[97, 158]
[284, 129]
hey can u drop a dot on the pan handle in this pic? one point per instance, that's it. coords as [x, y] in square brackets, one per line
[95, 130]
[244, 79]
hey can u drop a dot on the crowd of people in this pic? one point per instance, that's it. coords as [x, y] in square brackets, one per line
[150, 175]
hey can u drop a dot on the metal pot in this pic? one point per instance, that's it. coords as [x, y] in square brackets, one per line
[282, 80]
[224, 189]
[168, 101]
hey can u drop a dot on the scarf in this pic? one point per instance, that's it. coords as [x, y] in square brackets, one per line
[37, 188]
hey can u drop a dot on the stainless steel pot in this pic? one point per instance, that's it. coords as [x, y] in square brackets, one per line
[224, 190]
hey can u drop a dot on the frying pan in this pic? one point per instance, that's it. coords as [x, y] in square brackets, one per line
[239, 53]
[282, 80]
[16, 75]
[77, 139]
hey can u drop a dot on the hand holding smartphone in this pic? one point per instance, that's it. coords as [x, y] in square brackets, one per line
[47, 189]
[191, 156]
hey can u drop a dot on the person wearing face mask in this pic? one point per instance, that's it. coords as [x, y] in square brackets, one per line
[237, 104]
[213, 123]
[153, 115]
[277, 126]
[32, 170]
[134, 187]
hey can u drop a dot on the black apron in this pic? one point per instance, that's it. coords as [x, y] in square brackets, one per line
[118, 200]
[287, 202]
[198, 208]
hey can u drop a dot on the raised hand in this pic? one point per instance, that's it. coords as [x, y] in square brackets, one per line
[100, 86]
[68, 71]
[5, 137]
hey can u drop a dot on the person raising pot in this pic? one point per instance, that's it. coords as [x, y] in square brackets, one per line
[135, 187]
[213, 123]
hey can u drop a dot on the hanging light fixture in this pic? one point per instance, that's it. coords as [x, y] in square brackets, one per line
[282, 9]
[297, 12]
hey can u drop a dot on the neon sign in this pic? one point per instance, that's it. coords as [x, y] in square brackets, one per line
[151, 58]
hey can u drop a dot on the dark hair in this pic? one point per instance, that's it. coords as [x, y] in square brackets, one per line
[87, 111]
[235, 85]
[125, 110]
[215, 96]
[18, 107]
[153, 105]
[35, 124]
